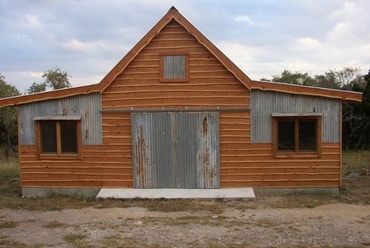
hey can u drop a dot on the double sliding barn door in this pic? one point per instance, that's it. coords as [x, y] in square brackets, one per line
[175, 150]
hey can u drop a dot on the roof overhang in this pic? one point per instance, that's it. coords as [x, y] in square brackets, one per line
[48, 95]
[307, 90]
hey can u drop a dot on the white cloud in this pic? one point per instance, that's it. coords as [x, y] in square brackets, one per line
[32, 20]
[245, 18]
[307, 43]
[77, 45]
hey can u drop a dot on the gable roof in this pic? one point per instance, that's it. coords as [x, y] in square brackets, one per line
[173, 14]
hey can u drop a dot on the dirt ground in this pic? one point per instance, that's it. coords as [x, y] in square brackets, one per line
[303, 220]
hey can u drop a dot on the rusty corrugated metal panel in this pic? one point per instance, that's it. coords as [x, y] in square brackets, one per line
[264, 103]
[176, 150]
[86, 106]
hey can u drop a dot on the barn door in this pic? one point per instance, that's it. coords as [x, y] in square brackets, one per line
[175, 150]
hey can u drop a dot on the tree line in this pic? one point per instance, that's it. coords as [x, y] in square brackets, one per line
[355, 116]
[52, 79]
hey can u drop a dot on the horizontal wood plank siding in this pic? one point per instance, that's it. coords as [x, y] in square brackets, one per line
[257, 167]
[210, 84]
[99, 166]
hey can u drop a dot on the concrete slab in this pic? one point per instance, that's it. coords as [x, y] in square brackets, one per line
[229, 193]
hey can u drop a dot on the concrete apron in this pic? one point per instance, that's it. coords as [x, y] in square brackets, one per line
[229, 193]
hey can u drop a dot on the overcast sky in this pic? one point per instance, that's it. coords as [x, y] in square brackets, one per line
[87, 38]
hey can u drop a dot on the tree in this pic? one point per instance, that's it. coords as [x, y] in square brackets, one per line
[343, 79]
[54, 79]
[8, 118]
[294, 78]
[36, 88]
[356, 117]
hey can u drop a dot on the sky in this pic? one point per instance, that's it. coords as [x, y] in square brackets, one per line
[87, 38]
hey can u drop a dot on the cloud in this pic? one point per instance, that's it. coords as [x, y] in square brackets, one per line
[245, 18]
[78, 45]
[87, 38]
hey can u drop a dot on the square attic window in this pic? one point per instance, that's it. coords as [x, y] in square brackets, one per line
[174, 68]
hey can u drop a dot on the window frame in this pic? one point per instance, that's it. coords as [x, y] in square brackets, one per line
[174, 80]
[58, 154]
[296, 118]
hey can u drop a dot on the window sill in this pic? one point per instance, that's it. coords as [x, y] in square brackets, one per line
[59, 157]
[174, 80]
[297, 155]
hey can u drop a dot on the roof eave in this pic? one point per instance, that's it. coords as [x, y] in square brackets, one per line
[307, 90]
[47, 95]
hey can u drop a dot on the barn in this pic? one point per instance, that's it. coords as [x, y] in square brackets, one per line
[176, 113]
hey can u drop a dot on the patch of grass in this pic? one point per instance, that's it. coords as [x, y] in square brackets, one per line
[266, 223]
[111, 241]
[9, 169]
[8, 224]
[11, 243]
[77, 240]
[54, 224]
[354, 161]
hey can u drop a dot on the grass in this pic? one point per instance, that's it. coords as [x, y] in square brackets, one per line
[354, 161]
[9, 169]
[77, 240]
[54, 224]
[8, 224]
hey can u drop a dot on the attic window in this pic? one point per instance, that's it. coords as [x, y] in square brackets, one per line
[174, 68]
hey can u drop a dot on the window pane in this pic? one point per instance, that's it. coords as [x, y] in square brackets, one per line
[286, 136]
[68, 133]
[174, 66]
[307, 135]
[48, 137]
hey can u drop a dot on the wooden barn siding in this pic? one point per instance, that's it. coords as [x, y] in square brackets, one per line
[258, 168]
[100, 166]
[244, 164]
[210, 83]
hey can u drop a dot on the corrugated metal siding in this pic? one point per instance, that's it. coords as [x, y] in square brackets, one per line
[86, 106]
[264, 103]
[175, 150]
[174, 66]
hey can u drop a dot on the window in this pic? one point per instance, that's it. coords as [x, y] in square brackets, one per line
[174, 68]
[296, 135]
[58, 138]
